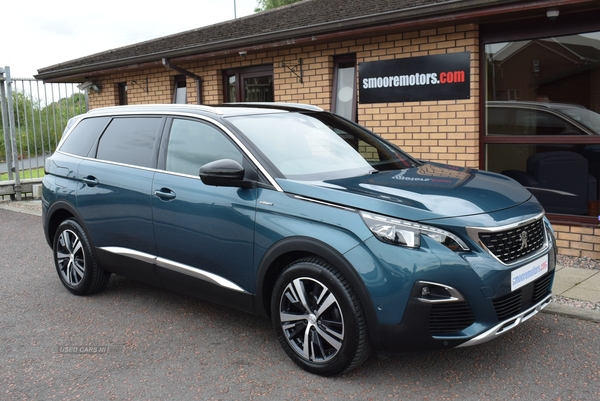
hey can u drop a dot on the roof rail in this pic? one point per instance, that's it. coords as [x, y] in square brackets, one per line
[155, 107]
[274, 105]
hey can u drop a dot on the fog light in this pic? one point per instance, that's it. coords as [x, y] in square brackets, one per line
[435, 293]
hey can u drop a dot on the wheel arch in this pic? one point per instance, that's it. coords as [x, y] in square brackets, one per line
[56, 214]
[288, 250]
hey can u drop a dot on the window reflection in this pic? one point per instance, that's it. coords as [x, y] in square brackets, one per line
[543, 97]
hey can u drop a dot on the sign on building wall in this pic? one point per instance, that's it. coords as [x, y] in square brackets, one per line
[438, 77]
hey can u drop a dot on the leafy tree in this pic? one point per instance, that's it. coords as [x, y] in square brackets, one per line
[264, 5]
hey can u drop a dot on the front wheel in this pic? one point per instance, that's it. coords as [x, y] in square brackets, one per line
[75, 263]
[318, 318]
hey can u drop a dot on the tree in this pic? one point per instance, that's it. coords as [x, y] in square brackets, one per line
[264, 5]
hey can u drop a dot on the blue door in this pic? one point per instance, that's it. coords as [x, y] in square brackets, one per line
[114, 198]
[204, 234]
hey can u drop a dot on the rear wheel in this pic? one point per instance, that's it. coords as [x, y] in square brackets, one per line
[318, 319]
[75, 264]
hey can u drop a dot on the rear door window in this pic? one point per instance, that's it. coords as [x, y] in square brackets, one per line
[130, 140]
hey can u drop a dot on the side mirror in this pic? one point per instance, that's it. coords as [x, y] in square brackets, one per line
[224, 173]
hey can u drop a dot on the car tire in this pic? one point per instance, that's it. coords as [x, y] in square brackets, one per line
[75, 263]
[318, 319]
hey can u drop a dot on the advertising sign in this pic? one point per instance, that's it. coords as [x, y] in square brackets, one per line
[438, 77]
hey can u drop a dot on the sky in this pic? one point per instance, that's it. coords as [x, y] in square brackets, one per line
[42, 33]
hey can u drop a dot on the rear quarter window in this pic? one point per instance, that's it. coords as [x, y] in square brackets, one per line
[80, 141]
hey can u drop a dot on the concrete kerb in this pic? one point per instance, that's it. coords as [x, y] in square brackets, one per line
[573, 312]
[33, 207]
[561, 288]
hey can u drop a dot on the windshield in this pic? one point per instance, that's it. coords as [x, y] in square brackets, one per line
[319, 146]
[585, 117]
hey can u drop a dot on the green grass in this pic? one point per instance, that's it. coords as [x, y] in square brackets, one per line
[24, 174]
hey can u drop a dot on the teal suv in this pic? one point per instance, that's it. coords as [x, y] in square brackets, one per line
[344, 241]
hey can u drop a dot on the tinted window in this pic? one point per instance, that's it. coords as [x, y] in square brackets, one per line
[193, 144]
[499, 122]
[81, 140]
[130, 141]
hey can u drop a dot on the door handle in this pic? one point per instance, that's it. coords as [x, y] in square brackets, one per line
[90, 180]
[165, 194]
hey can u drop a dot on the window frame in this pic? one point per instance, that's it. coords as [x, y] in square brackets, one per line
[337, 62]
[179, 82]
[538, 29]
[122, 91]
[242, 73]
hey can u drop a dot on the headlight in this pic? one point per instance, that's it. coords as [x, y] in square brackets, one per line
[407, 233]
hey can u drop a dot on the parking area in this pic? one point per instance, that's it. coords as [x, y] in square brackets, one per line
[134, 341]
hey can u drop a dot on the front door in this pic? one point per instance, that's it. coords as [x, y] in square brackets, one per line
[204, 234]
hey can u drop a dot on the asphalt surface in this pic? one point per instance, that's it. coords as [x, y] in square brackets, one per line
[164, 346]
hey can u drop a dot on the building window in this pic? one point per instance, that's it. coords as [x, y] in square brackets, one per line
[180, 92]
[344, 87]
[122, 89]
[254, 84]
[542, 120]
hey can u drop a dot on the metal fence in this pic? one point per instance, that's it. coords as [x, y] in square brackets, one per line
[34, 115]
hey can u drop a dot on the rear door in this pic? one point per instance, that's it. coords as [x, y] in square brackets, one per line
[114, 197]
[204, 234]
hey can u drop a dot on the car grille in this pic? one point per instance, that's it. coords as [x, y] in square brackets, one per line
[520, 300]
[448, 318]
[511, 245]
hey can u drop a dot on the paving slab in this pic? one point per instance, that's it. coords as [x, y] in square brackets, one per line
[568, 278]
[586, 290]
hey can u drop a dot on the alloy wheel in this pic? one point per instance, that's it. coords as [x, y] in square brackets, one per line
[311, 320]
[70, 258]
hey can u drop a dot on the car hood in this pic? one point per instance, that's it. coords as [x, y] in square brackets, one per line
[429, 191]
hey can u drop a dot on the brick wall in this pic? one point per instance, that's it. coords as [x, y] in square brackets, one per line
[578, 241]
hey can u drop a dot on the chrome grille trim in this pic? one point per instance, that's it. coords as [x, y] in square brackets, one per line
[505, 243]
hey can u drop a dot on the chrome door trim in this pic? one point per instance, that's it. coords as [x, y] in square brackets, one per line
[175, 266]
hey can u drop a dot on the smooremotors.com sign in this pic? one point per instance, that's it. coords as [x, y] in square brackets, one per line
[438, 77]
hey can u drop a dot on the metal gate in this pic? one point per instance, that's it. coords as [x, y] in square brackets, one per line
[34, 115]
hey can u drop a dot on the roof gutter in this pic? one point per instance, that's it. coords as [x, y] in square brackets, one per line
[455, 11]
